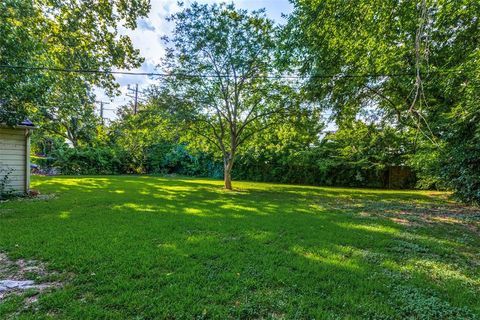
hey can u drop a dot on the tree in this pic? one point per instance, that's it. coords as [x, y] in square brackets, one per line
[285, 152]
[222, 64]
[418, 62]
[20, 43]
[67, 35]
[137, 133]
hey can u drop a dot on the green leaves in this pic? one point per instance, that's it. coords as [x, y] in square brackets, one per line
[66, 35]
[223, 59]
[415, 62]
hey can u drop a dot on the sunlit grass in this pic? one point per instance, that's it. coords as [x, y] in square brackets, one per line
[149, 247]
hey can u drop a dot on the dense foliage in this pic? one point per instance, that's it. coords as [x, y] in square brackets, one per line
[414, 63]
[295, 151]
[387, 88]
[234, 95]
[42, 35]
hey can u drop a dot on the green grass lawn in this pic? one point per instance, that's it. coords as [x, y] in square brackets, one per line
[141, 247]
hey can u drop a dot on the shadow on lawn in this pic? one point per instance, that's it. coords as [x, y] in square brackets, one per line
[382, 211]
[404, 205]
[261, 251]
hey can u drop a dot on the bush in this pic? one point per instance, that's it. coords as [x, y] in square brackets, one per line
[461, 171]
[91, 160]
[171, 158]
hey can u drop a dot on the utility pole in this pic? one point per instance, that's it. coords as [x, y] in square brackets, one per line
[134, 95]
[102, 109]
[136, 99]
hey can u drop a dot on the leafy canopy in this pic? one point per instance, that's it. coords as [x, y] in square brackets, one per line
[417, 63]
[65, 34]
[223, 59]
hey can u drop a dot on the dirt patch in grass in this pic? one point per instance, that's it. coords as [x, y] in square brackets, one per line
[416, 214]
[25, 276]
[467, 217]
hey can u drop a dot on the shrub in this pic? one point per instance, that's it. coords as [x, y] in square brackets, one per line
[91, 160]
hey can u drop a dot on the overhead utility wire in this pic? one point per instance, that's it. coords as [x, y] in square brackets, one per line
[154, 74]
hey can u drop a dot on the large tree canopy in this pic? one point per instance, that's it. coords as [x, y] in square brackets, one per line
[416, 62]
[223, 62]
[66, 34]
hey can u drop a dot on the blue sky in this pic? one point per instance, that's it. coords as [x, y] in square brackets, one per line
[147, 38]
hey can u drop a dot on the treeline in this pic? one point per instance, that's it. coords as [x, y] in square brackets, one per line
[246, 98]
[295, 152]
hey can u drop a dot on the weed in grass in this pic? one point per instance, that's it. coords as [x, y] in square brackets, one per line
[413, 303]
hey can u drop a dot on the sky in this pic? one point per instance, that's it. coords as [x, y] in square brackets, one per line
[147, 36]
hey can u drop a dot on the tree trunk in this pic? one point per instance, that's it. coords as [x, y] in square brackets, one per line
[73, 139]
[227, 174]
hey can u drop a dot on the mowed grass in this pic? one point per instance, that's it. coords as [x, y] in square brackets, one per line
[140, 247]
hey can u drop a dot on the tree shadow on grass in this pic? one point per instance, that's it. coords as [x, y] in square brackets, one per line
[184, 248]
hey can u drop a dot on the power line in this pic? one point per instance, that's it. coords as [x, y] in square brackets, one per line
[185, 75]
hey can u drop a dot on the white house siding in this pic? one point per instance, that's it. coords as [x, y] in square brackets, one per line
[14, 155]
